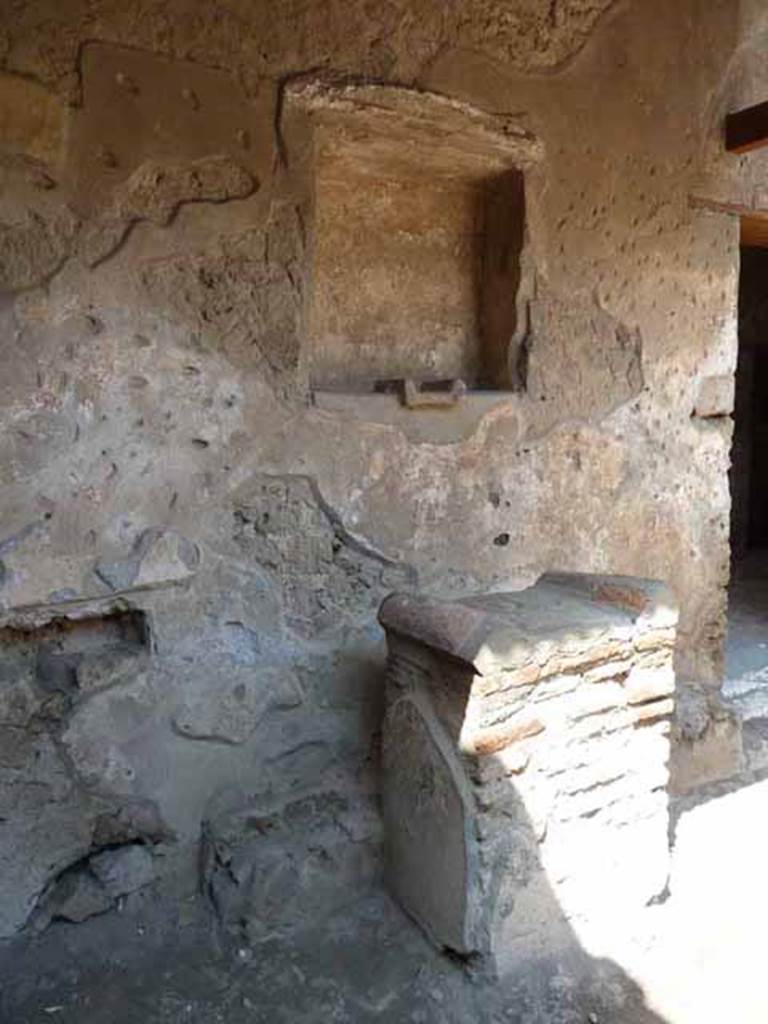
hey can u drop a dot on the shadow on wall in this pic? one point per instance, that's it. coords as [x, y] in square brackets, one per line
[500, 241]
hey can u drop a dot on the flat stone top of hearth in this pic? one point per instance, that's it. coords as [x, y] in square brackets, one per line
[502, 631]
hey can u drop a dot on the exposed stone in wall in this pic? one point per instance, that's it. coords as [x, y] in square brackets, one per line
[48, 675]
[323, 572]
[707, 740]
[155, 190]
[98, 737]
[715, 397]
[35, 239]
[395, 40]
[242, 295]
[530, 36]
[95, 884]
[51, 825]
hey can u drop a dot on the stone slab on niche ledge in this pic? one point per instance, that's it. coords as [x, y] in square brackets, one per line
[443, 424]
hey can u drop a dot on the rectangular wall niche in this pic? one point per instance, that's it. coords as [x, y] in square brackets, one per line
[418, 232]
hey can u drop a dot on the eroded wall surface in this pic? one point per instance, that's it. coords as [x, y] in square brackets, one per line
[160, 452]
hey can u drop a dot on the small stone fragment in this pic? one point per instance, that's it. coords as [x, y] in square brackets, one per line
[77, 896]
[123, 870]
[126, 82]
[117, 575]
[716, 396]
[135, 820]
[165, 556]
[106, 157]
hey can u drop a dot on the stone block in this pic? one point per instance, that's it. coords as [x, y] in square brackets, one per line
[107, 736]
[48, 834]
[707, 745]
[715, 396]
[75, 897]
[93, 884]
[231, 702]
[158, 557]
[270, 869]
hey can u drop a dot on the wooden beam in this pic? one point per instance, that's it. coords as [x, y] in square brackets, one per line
[754, 232]
[747, 129]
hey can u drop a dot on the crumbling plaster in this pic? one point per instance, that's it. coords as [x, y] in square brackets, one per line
[155, 378]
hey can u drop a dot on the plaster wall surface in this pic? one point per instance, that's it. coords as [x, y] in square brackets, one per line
[160, 450]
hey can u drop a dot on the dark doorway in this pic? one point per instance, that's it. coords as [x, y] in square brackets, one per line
[749, 469]
[747, 645]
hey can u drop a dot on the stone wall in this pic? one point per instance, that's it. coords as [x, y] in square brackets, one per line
[161, 451]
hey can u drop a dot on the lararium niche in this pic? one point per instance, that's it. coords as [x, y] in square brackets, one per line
[417, 241]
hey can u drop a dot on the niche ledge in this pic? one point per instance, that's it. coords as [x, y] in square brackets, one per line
[438, 425]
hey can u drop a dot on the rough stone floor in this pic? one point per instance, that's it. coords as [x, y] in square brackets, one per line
[367, 963]
[363, 965]
[697, 959]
